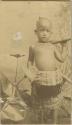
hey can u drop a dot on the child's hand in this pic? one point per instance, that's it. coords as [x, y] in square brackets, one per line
[29, 75]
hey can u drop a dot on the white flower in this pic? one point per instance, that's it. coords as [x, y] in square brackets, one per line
[17, 36]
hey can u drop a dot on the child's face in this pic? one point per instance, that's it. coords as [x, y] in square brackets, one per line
[43, 34]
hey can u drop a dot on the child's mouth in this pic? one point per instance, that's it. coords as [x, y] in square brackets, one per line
[44, 37]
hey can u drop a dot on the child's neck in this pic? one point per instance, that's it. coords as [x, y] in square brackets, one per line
[41, 42]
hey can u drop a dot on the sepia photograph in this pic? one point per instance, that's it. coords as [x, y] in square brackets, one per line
[35, 62]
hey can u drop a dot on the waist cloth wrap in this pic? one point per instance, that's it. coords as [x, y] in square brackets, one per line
[46, 96]
[49, 77]
[46, 88]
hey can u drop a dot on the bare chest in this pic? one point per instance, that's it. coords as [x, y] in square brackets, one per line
[44, 57]
[46, 50]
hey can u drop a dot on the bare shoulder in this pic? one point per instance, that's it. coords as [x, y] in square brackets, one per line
[57, 46]
[31, 49]
[52, 46]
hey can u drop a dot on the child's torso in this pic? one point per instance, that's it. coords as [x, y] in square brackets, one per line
[44, 57]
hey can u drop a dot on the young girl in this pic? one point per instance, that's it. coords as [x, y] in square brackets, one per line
[44, 71]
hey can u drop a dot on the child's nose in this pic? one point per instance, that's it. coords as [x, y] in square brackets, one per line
[45, 33]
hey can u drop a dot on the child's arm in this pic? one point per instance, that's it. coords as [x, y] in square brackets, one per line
[61, 54]
[61, 41]
[30, 58]
[30, 63]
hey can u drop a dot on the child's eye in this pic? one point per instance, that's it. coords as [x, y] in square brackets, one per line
[47, 30]
[43, 29]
